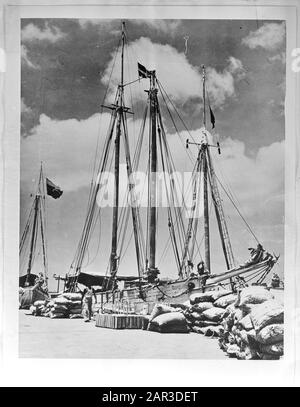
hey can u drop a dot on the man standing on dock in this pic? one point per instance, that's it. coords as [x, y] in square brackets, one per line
[87, 302]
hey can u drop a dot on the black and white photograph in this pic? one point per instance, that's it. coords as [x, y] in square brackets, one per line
[154, 190]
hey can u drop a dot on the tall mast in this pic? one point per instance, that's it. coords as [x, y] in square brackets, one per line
[222, 225]
[114, 241]
[43, 245]
[153, 171]
[35, 224]
[33, 233]
[43, 221]
[38, 210]
[205, 176]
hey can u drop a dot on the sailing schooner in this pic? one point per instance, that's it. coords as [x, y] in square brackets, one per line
[147, 287]
[34, 287]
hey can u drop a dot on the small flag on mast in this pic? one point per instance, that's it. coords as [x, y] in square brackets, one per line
[212, 118]
[142, 71]
[53, 190]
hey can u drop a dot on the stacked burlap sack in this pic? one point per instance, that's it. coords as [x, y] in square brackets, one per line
[39, 307]
[249, 324]
[253, 326]
[205, 311]
[58, 308]
[166, 319]
[74, 305]
[66, 305]
[203, 314]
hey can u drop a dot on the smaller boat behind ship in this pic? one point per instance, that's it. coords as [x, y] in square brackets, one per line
[34, 287]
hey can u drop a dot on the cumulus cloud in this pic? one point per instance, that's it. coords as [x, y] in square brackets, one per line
[256, 180]
[104, 27]
[28, 117]
[25, 59]
[221, 85]
[33, 33]
[68, 148]
[269, 36]
[235, 66]
[258, 186]
[24, 108]
[173, 70]
[278, 58]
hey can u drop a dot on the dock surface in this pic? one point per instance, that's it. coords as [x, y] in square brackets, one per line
[42, 337]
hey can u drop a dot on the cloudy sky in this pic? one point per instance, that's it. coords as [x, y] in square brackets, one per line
[68, 66]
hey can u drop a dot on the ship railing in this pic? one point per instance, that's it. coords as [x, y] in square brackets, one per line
[124, 306]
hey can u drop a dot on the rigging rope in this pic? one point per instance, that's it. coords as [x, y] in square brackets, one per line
[171, 170]
[90, 218]
[170, 219]
[102, 106]
[235, 206]
[92, 204]
[189, 154]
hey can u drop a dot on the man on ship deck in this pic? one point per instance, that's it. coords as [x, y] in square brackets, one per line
[256, 255]
[202, 272]
[152, 275]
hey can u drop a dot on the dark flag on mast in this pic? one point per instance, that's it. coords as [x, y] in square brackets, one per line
[212, 118]
[52, 189]
[143, 72]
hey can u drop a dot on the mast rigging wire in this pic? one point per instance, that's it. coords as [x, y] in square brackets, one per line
[231, 199]
[235, 206]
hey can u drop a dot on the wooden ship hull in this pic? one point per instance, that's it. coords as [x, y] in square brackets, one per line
[143, 298]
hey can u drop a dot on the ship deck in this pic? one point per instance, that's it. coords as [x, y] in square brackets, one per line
[42, 337]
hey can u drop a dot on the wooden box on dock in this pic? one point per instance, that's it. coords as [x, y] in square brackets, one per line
[119, 321]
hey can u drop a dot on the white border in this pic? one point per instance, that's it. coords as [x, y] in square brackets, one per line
[15, 371]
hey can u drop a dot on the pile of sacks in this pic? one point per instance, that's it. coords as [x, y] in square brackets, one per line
[205, 311]
[39, 308]
[253, 326]
[66, 305]
[74, 305]
[166, 319]
[249, 324]
[203, 314]
[58, 308]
